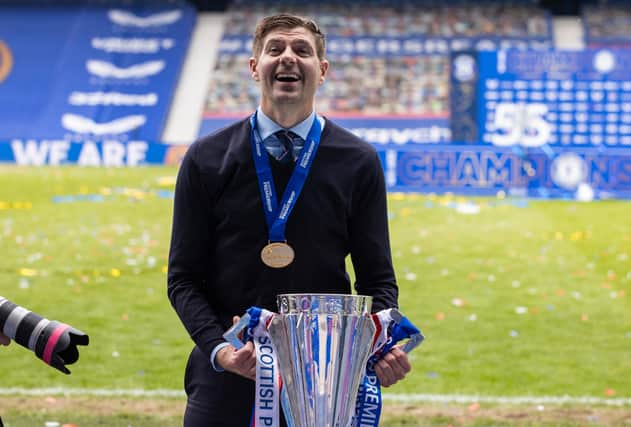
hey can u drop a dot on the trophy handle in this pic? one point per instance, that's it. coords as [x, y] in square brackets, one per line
[414, 340]
[232, 334]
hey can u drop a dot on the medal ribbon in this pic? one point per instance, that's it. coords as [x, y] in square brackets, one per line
[268, 383]
[276, 216]
[390, 330]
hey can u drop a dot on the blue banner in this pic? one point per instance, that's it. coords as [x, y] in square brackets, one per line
[484, 170]
[90, 71]
[556, 98]
[440, 168]
[541, 124]
[106, 153]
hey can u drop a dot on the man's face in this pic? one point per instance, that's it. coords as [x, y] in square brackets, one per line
[288, 68]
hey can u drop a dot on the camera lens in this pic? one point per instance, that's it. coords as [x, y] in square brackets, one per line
[53, 342]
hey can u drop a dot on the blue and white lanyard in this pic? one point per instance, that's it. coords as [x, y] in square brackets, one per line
[276, 216]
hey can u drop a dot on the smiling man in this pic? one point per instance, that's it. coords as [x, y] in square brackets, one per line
[273, 204]
[289, 64]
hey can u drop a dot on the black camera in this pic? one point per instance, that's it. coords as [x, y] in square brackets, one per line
[53, 342]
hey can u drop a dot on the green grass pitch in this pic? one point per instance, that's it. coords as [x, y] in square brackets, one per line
[515, 297]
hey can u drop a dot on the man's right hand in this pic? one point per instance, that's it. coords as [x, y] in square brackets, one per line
[4, 340]
[241, 362]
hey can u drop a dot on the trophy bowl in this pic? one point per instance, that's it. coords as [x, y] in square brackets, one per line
[323, 342]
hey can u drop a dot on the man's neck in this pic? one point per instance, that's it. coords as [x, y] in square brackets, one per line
[286, 117]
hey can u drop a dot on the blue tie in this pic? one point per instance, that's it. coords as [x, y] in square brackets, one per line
[286, 138]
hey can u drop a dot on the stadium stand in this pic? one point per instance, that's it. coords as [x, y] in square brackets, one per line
[607, 24]
[359, 85]
[402, 18]
[365, 83]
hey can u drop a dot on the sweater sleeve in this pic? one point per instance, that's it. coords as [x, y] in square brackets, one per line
[191, 240]
[370, 240]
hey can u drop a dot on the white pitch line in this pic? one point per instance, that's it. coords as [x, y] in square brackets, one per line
[61, 391]
[403, 398]
[510, 400]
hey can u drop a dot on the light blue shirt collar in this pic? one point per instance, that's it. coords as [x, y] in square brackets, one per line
[267, 126]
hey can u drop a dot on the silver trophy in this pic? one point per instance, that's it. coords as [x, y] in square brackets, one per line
[323, 342]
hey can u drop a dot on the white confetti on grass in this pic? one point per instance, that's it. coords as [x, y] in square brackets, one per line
[457, 302]
[410, 276]
[521, 310]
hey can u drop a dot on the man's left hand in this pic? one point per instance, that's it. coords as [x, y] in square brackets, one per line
[392, 367]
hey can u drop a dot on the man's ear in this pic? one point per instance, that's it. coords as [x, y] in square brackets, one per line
[324, 67]
[253, 69]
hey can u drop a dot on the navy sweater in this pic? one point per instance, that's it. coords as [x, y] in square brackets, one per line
[219, 229]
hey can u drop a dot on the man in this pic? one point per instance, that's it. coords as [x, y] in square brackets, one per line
[4, 340]
[231, 247]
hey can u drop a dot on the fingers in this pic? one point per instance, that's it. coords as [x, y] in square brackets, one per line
[235, 320]
[385, 374]
[4, 340]
[398, 356]
[241, 362]
[392, 367]
[246, 357]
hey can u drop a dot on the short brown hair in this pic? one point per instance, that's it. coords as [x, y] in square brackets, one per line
[286, 21]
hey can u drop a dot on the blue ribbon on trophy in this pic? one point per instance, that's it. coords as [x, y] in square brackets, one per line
[268, 384]
[392, 327]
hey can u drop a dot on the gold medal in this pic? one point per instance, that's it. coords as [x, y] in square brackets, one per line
[277, 255]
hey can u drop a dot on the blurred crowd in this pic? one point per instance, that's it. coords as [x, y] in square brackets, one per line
[607, 23]
[382, 85]
[402, 19]
[231, 90]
